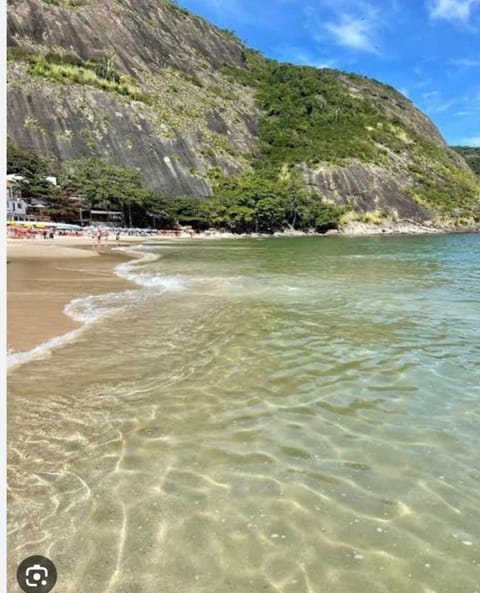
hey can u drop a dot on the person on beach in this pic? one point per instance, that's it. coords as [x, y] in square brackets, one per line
[97, 239]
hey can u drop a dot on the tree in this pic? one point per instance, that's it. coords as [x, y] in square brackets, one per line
[327, 217]
[24, 162]
[106, 186]
[299, 200]
[34, 169]
[190, 211]
[266, 201]
[251, 202]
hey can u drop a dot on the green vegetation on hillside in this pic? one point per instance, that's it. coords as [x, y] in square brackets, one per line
[313, 116]
[98, 184]
[472, 155]
[67, 68]
[66, 3]
[309, 116]
[442, 186]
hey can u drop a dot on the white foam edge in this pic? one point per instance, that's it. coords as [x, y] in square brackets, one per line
[92, 315]
[126, 270]
[15, 359]
[123, 270]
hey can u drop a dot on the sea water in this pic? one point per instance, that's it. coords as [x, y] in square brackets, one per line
[277, 415]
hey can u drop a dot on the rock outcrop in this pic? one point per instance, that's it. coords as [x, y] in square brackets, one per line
[196, 119]
[163, 103]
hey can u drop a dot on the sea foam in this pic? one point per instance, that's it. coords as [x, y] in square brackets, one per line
[129, 271]
[90, 309]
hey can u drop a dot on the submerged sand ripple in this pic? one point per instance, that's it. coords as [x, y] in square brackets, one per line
[240, 440]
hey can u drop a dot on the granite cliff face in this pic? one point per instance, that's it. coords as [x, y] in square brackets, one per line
[195, 120]
[143, 83]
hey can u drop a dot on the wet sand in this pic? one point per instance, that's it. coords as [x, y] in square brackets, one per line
[43, 277]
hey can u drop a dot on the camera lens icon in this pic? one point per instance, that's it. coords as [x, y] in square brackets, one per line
[37, 573]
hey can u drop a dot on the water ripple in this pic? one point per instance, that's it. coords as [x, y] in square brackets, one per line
[301, 417]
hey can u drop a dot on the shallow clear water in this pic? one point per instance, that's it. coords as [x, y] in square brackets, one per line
[281, 415]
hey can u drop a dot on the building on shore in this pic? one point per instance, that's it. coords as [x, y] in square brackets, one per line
[17, 207]
[26, 209]
[106, 218]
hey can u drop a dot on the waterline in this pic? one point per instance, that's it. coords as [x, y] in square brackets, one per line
[295, 418]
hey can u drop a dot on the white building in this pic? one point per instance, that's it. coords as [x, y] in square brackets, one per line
[16, 206]
[19, 209]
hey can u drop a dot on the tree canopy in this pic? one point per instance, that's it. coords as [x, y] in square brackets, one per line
[263, 200]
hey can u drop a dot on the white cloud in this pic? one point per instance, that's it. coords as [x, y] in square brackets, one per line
[432, 102]
[468, 105]
[441, 107]
[355, 32]
[465, 62]
[471, 141]
[228, 8]
[430, 95]
[305, 58]
[451, 10]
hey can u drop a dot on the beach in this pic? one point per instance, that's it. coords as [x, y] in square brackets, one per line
[43, 276]
[284, 411]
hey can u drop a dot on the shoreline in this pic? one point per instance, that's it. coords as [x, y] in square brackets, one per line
[15, 246]
[45, 276]
[43, 279]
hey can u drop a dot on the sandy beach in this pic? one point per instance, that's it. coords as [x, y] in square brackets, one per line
[44, 275]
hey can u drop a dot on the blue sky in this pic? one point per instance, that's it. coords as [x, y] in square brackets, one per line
[427, 49]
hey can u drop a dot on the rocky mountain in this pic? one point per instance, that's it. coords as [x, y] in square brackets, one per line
[148, 85]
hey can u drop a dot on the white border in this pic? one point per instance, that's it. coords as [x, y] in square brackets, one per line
[3, 305]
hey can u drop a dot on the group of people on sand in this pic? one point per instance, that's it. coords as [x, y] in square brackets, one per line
[101, 234]
[21, 232]
[98, 235]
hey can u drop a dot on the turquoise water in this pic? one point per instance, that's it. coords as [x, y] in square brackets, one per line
[278, 415]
